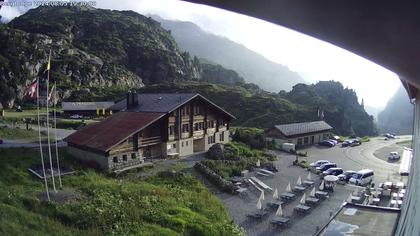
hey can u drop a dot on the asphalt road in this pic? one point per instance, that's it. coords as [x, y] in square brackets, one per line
[361, 157]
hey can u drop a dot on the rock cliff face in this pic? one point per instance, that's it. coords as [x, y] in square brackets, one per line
[91, 48]
[398, 115]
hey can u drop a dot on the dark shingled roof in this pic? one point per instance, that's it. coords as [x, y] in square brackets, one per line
[161, 102]
[303, 128]
[104, 135]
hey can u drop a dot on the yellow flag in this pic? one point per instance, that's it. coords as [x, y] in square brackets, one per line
[49, 63]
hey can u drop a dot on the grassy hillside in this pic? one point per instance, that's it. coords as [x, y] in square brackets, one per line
[106, 206]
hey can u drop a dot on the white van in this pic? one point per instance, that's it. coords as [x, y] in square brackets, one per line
[362, 177]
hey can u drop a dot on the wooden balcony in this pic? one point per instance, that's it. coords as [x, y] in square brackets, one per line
[185, 135]
[149, 141]
[198, 133]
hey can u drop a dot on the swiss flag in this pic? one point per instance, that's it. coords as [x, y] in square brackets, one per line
[32, 91]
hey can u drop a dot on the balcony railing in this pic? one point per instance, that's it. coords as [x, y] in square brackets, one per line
[149, 141]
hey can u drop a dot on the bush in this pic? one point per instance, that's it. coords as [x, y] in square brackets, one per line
[365, 139]
[302, 154]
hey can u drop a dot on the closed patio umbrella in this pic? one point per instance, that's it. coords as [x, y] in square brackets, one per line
[303, 199]
[299, 181]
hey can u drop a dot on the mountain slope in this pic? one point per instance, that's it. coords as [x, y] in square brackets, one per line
[253, 67]
[258, 108]
[94, 48]
[397, 117]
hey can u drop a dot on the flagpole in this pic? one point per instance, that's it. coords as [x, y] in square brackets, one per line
[48, 124]
[40, 142]
[55, 131]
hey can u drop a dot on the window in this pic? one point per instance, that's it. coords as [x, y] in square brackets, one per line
[211, 139]
[171, 130]
[115, 159]
[174, 145]
[222, 137]
[305, 140]
[299, 141]
[182, 144]
[124, 157]
[130, 139]
[195, 126]
[185, 128]
[133, 156]
[186, 143]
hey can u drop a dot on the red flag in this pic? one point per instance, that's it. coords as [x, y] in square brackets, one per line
[32, 91]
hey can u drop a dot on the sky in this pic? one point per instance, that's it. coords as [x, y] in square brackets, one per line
[313, 59]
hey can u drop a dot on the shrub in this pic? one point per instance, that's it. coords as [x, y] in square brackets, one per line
[302, 154]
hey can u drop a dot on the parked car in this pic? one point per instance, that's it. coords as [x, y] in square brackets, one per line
[318, 163]
[76, 116]
[333, 171]
[346, 143]
[346, 175]
[355, 142]
[362, 177]
[393, 156]
[388, 135]
[335, 142]
[1, 141]
[326, 166]
[327, 143]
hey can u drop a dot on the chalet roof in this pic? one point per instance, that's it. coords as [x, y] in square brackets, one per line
[303, 128]
[162, 102]
[86, 106]
[104, 135]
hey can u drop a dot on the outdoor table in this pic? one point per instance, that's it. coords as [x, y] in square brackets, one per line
[287, 196]
[376, 201]
[400, 185]
[312, 200]
[258, 214]
[321, 194]
[299, 188]
[275, 203]
[302, 208]
[280, 221]
[376, 193]
[356, 199]
[393, 203]
[397, 195]
[387, 185]
[399, 203]
[308, 183]
[402, 191]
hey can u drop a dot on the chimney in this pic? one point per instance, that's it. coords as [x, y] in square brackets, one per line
[132, 100]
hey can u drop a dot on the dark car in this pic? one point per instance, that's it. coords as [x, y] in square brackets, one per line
[333, 171]
[346, 175]
[326, 166]
[1, 141]
[346, 143]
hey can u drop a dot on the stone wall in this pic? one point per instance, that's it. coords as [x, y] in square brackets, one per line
[87, 156]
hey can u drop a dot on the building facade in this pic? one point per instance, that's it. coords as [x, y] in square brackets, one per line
[146, 127]
[300, 134]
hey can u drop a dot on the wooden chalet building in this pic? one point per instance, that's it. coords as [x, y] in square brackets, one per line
[300, 134]
[149, 126]
[87, 109]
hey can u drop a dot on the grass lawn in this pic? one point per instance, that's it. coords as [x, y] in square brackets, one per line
[25, 135]
[155, 205]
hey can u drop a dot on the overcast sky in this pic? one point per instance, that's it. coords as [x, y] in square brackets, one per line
[313, 59]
